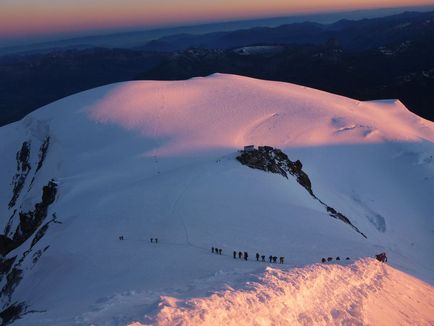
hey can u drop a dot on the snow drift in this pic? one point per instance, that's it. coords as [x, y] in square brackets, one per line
[364, 293]
[158, 159]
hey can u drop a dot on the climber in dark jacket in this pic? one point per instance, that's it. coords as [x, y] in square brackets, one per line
[281, 259]
[220, 251]
[235, 254]
[381, 257]
[270, 258]
[263, 257]
[240, 254]
[246, 255]
[274, 259]
[257, 256]
[212, 249]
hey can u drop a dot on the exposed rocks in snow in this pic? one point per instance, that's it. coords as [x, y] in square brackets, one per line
[9, 224]
[5, 265]
[29, 224]
[13, 278]
[12, 313]
[41, 232]
[6, 244]
[38, 254]
[23, 169]
[269, 159]
[31, 220]
[42, 154]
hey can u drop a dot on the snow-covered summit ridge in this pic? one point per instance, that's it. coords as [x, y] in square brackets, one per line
[158, 159]
[364, 293]
[231, 111]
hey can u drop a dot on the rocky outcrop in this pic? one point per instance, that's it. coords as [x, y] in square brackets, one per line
[23, 169]
[6, 265]
[6, 245]
[29, 224]
[269, 159]
[13, 278]
[30, 221]
[11, 313]
[41, 158]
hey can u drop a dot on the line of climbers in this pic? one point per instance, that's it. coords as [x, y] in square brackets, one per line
[323, 260]
[216, 251]
[272, 259]
[244, 255]
[380, 257]
[153, 240]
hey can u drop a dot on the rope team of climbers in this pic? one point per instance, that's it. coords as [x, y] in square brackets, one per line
[271, 259]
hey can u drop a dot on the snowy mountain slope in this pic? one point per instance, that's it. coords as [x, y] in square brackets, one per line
[158, 159]
[365, 293]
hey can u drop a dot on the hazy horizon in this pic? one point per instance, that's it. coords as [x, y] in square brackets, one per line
[23, 37]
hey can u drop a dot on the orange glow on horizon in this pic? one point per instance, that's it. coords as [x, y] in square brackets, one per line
[49, 16]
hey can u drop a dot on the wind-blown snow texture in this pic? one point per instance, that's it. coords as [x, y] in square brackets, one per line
[365, 293]
[157, 159]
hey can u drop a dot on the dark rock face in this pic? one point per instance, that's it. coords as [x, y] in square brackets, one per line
[23, 169]
[6, 245]
[39, 235]
[5, 265]
[30, 224]
[31, 220]
[42, 154]
[269, 159]
[12, 313]
[13, 278]
[38, 254]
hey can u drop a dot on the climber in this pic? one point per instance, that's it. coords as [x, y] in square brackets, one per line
[257, 256]
[281, 259]
[381, 257]
[246, 255]
[235, 254]
[240, 254]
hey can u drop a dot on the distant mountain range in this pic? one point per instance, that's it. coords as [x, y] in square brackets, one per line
[352, 35]
[389, 57]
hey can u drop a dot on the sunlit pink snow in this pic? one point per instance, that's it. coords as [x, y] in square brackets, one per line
[364, 293]
[231, 111]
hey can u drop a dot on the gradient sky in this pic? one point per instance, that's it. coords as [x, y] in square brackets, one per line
[27, 18]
